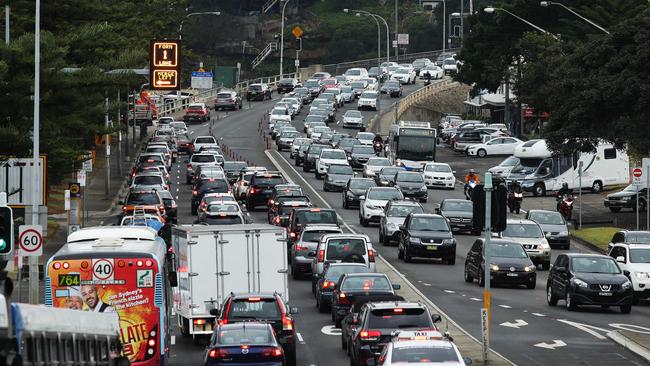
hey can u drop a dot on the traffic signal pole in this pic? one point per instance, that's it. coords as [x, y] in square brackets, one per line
[485, 326]
[34, 261]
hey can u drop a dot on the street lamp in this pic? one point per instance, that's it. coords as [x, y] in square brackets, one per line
[180, 27]
[385, 23]
[282, 36]
[491, 10]
[546, 4]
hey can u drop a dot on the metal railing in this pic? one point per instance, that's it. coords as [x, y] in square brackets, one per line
[166, 107]
[422, 94]
[271, 81]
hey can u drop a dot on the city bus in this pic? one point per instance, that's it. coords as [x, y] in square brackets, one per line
[411, 144]
[122, 270]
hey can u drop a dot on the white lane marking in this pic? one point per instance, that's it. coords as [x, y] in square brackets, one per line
[300, 338]
[176, 197]
[177, 189]
[631, 328]
[538, 314]
[505, 306]
[557, 343]
[192, 132]
[426, 284]
[475, 299]
[450, 291]
[586, 328]
[331, 330]
[517, 324]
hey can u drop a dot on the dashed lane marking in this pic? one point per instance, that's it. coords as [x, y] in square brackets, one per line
[475, 299]
[300, 338]
[538, 314]
[450, 291]
[505, 306]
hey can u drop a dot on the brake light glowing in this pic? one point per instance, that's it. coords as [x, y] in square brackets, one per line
[370, 334]
[254, 299]
[321, 255]
[272, 352]
[139, 263]
[199, 321]
[66, 265]
[152, 342]
[218, 353]
[194, 192]
[315, 210]
[328, 284]
[277, 220]
[371, 255]
[398, 310]
[189, 166]
[301, 247]
[148, 262]
[292, 234]
[287, 323]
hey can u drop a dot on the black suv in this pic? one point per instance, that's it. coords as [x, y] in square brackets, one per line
[211, 185]
[412, 185]
[509, 263]
[589, 279]
[261, 188]
[258, 92]
[287, 85]
[265, 307]
[378, 320]
[427, 236]
[301, 217]
[460, 214]
[285, 207]
[313, 152]
[352, 285]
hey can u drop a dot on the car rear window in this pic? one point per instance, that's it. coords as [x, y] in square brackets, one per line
[215, 185]
[421, 354]
[268, 181]
[147, 180]
[344, 248]
[244, 335]
[224, 95]
[143, 198]
[336, 271]
[203, 158]
[254, 308]
[195, 108]
[286, 210]
[205, 140]
[255, 87]
[366, 283]
[397, 318]
[315, 235]
[234, 166]
[316, 216]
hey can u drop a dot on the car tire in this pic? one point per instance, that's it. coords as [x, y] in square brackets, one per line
[626, 309]
[539, 190]
[363, 221]
[615, 209]
[325, 189]
[407, 256]
[570, 305]
[481, 279]
[318, 175]
[468, 277]
[385, 240]
[481, 153]
[597, 186]
[546, 266]
[322, 308]
[451, 260]
[550, 298]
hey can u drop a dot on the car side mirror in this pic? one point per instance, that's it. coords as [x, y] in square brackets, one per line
[436, 318]
[361, 198]
[397, 286]
[215, 312]
[293, 310]
[560, 269]
[620, 259]
[467, 360]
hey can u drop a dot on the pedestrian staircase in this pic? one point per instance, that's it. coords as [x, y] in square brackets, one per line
[264, 54]
[268, 5]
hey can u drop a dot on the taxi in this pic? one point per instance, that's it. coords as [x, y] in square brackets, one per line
[421, 347]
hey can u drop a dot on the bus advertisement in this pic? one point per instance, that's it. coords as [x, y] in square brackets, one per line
[130, 286]
[412, 144]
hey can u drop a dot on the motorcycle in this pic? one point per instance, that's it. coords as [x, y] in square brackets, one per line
[514, 201]
[379, 148]
[566, 206]
[469, 189]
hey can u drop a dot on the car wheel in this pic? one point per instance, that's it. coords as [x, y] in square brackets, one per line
[451, 260]
[626, 309]
[570, 305]
[481, 153]
[322, 307]
[325, 188]
[468, 277]
[363, 221]
[597, 186]
[481, 279]
[550, 298]
[615, 209]
[539, 190]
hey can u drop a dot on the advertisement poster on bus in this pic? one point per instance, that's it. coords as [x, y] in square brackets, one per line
[122, 285]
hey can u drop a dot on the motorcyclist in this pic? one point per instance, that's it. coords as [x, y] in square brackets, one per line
[472, 176]
[377, 140]
[562, 192]
[515, 187]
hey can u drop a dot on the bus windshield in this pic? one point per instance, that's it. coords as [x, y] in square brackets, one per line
[416, 147]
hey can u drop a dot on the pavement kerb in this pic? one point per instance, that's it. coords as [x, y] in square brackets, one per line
[620, 338]
[588, 244]
[468, 345]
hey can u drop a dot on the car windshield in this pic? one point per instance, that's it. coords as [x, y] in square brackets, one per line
[438, 354]
[313, 236]
[346, 89]
[403, 211]
[362, 183]
[316, 216]
[346, 249]
[378, 162]
[347, 142]
[639, 255]
[353, 72]
[450, 61]
[289, 134]
[409, 177]
[148, 180]
[464, 206]
[506, 250]
[353, 114]
[399, 318]
[341, 169]
[548, 218]
[143, 198]
[366, 283]
[363, 149]
[369, 95]
[368, 136]
[384, 194]
[594, 265]
[207, 158]
[333, 154]
[270, 180]
[392, 84]
[429, 224]
[234, 166]
[244, 335]
[335, 272]
[510, 161]
[286, 81]
[312, 84]
[638, 238]
[402, 70]
[254, 308]
[522, 231]
[437, 168]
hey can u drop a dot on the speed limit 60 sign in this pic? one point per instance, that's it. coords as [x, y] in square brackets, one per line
[30, 240]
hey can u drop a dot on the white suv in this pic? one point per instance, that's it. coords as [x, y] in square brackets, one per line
[328, 157]
[374, 202]
[337, 248]
[634, 258]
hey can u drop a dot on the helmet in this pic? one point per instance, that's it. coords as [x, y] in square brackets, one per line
[471, 171]
[565, 185]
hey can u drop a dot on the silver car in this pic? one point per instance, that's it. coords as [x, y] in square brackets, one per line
[395, 214]
[149, 181]
[355, 119]
[303, 250]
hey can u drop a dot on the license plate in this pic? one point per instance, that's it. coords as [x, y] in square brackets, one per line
[432, 247]
[605, 294]
[512, 275]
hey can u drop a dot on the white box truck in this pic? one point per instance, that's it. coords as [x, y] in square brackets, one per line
[215, 260]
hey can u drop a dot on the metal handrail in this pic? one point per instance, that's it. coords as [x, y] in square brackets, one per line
[409, 57]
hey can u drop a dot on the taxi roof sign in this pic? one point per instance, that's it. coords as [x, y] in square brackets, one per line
[417, 335]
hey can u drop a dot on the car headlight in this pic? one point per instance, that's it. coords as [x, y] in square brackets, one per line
[530, 268]
[580, 283]
[494, 267]
[545, 245]
[626, 285]
[450, 178]
[564, 233]
[415, 240]
[641, 275]
[449, 241]
[423, 189]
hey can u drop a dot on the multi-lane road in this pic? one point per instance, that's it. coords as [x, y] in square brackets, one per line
[524, 328]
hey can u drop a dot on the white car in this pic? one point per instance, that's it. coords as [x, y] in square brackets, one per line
[634, 258]
[353, 118]
[404, 75]
[450, 65]
[318, 131]
[356, 73]
[422, 345]
[278, 114]
[374, 165]
[365, 138]
[495, 146]
[313, 125]
[328, 157]
[296, 104]
[439, 175]
[432, 69]
[374, 202]
[337, 95]
[373, 84]
[347, 94]
[368, 99]
[201, 141]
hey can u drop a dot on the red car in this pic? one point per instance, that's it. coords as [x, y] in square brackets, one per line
[330, 83]
[197, 112]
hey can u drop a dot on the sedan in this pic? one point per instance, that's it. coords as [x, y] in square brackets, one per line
[433, 70]
[439, 175]
[353, 118]
[336, 177]
[553, 225]
[244, 343]
[627, 198]
[496, 146]
[386, 175]
[354, 189]
[412, 185]
[393, 88]
[460, 214]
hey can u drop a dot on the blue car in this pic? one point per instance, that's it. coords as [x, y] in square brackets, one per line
[327, 282]
[246, 343]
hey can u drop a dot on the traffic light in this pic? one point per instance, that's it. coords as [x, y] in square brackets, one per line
[297, 44]
[6, 230]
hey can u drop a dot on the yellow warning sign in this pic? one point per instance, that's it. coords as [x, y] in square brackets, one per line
[297, 31]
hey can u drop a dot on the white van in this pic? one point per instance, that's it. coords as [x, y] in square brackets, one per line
[356, 73]
[539, 170]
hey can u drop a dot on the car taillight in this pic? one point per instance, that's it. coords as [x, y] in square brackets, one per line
[218, 353]
[272, 352]
[287, 323]
[329, 284]
[161, 208]
[292, 234]
[301, 247]
[277, 220]
[321, 255]
[195, 192]
[371, 255]
[370, 335]
[343, 299]
[252, 191]
[189, 166]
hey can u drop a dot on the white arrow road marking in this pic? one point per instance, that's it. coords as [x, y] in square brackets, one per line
[331, 330]
[552, 346]
[426, 284]
[517, 324]
[587, 328]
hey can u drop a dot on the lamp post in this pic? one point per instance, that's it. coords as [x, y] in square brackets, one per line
[376, 16]
[491, 10]
[33, 261]
[282, 36]
[546, 4]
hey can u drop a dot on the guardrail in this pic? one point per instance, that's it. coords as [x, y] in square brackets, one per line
[420, 95]
[203, 96]
[272, 81]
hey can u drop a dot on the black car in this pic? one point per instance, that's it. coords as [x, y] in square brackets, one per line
[261, 188]
[301, 217]
[313, 152]
[351, 285]
[303, 94]
[302, 153]
[360, 154]
[589, 279]
[459, 212]
[376, 73]
[274, 209]
[328, 280]
[386, 175]
[627, 198]
[263, 307]
[355, 188]
[412, 185]
[258, 92]
[282, 190]
[211, 185]
[393, 88]
[337, 177]
[346, 144]
[170, 206]
[229, 340]
[287, 85]
[376, 323]
[509, 263]
[285, 207]
[427, 236]
[232, 170]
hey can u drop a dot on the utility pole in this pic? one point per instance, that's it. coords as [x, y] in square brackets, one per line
[119, 135]
[107, 144]
[286, 2]
[396, 30]
[485, 328]
[33, 261]
[126, 124]
[7, 12]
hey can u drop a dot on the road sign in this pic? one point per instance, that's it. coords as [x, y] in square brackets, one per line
[165, 64]
[402, 38]
[103, 269]
[75, 189]
[202, 80]
[637, 174]
[30, 240]
[17, 179]
[81, 178]
[297, 31]
[296, 63]
[88, 165]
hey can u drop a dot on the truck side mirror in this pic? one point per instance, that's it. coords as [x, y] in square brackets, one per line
[397, 286]
[215, 312]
